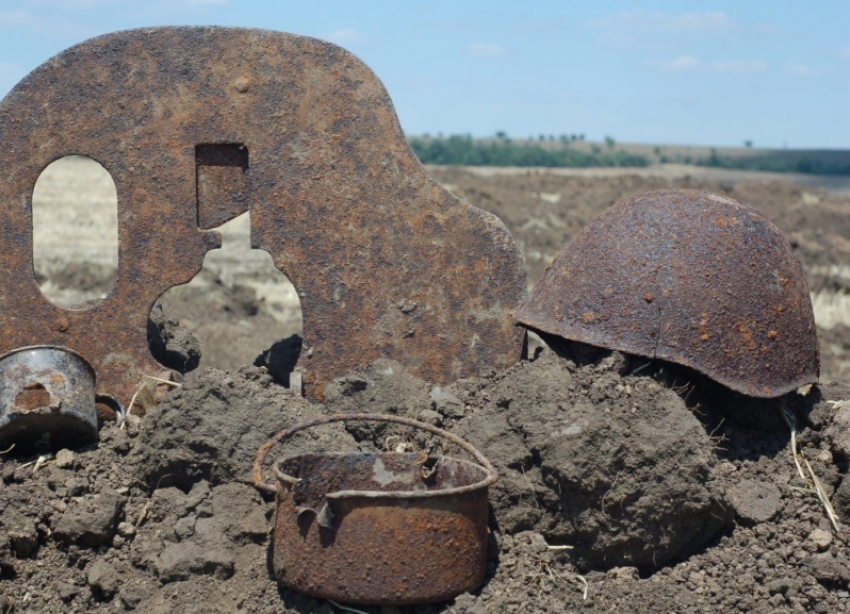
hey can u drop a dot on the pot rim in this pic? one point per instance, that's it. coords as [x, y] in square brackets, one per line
[60, 348]
[338, 495]
[491, 475]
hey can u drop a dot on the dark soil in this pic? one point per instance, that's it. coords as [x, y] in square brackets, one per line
[667, 504]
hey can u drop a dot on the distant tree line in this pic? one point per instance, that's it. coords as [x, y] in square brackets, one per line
[551, 151]
[503, 151]
[813, 162]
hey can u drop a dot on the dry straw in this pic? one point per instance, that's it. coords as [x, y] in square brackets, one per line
[791, 421]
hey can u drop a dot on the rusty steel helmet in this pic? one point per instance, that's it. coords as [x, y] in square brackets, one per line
[691, 278]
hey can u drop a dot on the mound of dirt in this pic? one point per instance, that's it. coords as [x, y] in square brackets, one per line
[210, 429]
[616, 467]
[160, 516]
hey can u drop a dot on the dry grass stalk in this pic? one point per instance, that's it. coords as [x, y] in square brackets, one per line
[586, 586]
[555, 576]
[38, 463]
[818, 488]
[791, 421]
[822, 496]
[146, 396]
[346, 608]
[163, 381]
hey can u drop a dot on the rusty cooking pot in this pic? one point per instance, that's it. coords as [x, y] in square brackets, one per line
[383, 528]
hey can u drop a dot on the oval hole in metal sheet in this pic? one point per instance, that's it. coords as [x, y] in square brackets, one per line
[75, 232]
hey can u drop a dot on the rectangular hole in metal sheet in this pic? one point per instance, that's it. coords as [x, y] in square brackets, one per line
[221, 173]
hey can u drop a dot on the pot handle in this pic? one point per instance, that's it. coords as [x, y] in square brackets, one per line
[264, 449]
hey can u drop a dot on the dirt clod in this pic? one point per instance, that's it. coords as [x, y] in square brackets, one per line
[644, 496]
[65, 459]
[103, 578]
[822, 539]
[210, 428]
[173, 346]
[90, 521]
[755, 501]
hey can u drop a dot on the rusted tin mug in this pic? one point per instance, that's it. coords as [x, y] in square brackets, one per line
[47, 399]
[386, 528]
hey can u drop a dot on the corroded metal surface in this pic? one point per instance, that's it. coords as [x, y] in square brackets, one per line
[688, 277]
[196, 125]
[47, 400]
[379, 528]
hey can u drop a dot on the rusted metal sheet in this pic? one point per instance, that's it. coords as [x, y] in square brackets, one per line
[47, 400]
[688, 277]
[379, 528]
[196, 125]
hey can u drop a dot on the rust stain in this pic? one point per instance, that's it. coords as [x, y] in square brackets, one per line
[197, 125]
[741, 276]
[32, 397]
[747, 338]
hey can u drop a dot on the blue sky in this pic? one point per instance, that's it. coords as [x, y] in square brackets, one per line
[687, 72]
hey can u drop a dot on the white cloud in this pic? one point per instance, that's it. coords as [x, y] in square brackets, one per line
[688, 63]
[64, 3]
[658, 30]
[801, 70]
[345, 36]
[683, 62]
[740, 66]
[17, 17]
[196, 5]
[43, 21]
[486, 50]
[643, 21]
[767, 29]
